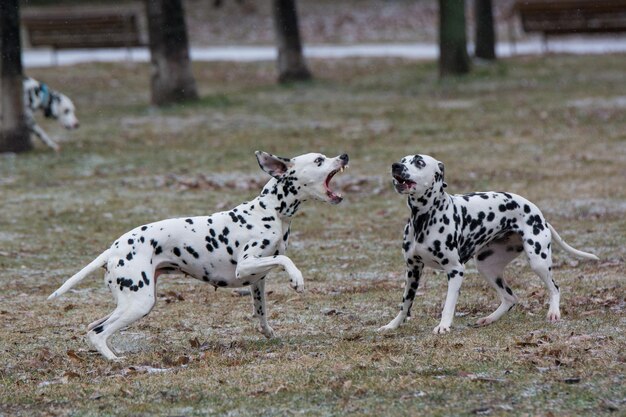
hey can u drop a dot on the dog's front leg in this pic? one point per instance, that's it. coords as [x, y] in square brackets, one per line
[250, 266]
[258, 295]
[41, 134]
[413, 274]
[455, 279]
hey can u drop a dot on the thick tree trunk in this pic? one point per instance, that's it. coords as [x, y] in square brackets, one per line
[14, 134]
[453, 58]
[291, 63]
[485, 33]
[172, 80]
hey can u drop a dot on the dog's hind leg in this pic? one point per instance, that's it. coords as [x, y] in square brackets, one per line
[258, 296]
[539, 251]
[99, 321]
[135, 299]
[491, 261]
[124, 315]
[98, 338]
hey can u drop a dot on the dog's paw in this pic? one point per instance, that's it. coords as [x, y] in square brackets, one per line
[485, 321]
[441, 329]
[267, 331]
[554, 316]
[299, 288]
[387, 328]
[297, 281]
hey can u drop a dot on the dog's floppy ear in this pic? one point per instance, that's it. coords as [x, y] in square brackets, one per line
[442, 170]
[272, 164]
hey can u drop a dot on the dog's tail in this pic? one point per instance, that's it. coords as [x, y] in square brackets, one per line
[95, 264]
[568, 248]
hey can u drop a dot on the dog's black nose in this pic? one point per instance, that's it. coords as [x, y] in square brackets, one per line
[396, 166]
[344, 157]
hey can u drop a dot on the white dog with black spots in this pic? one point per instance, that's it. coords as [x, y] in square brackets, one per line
[235, 248]
[37, 96]
[445, 231]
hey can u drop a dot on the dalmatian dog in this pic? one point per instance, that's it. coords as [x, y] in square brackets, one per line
[445, 231]
[235, 248]
[37, 96]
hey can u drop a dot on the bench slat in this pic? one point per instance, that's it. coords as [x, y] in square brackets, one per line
[572, 16]
[90, 27]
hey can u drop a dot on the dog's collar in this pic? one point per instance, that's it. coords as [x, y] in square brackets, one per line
[46, 99]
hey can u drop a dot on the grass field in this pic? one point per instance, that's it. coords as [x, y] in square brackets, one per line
[550, 128]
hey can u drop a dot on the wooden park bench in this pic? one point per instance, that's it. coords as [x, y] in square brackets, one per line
[75, 27]
[560, 17]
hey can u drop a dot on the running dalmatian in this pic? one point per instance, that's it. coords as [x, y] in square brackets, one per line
[54, 105]
[235, 248]
[445, 231]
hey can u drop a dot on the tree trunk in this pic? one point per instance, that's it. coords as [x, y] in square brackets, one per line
[172, 80]
[291, 63]
[14, 134]
[453, 58]
[485, 33]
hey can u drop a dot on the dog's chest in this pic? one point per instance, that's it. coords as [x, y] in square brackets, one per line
[428, 246]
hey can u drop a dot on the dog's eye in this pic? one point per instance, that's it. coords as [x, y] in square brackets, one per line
[319, 160]
[67, 111]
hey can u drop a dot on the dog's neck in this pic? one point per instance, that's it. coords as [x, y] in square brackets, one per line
[434, 198]
[424, 207]
[280, 194]
[47, 99]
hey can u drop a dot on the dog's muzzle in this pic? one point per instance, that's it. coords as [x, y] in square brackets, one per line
[401, 182]
[336, 198]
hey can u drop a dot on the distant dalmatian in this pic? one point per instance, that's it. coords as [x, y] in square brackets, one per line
[54, 105]
[235, 248]
[445, 231]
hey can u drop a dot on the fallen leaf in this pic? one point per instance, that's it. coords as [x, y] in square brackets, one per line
[195, 343]
[182, 360]
[353, 337]
[72, 354]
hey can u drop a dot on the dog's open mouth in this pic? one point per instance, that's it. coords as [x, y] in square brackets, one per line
[403, 183]
[335, 198]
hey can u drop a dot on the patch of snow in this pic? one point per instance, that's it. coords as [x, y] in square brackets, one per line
[240, 53]
[618, 102]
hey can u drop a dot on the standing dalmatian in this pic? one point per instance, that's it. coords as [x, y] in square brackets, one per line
[54, 105]
[445, 231]
[234, 248]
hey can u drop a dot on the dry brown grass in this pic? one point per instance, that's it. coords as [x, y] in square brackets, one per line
[549, 128]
